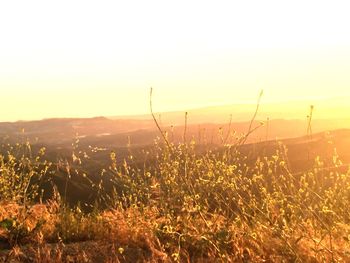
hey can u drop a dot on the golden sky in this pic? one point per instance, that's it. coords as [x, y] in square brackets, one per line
[92, 58]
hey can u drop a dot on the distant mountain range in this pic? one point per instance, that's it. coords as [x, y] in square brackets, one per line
[106, 132]
[56, 131]
[282, 120]
[333, 108]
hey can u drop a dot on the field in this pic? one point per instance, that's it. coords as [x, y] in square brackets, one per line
[177, 200]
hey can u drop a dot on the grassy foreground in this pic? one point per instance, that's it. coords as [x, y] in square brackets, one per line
[181, 205]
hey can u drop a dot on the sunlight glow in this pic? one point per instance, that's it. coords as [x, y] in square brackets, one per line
[91, 58]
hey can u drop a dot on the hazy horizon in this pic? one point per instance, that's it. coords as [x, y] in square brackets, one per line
[334, 108]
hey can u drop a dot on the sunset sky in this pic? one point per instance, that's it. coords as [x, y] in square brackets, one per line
[93, 58]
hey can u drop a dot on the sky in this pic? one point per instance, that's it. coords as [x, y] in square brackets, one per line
[100, 58]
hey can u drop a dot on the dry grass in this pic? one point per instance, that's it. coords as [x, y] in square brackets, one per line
[185, 206]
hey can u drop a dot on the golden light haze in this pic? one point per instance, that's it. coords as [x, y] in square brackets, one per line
[93, 58]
